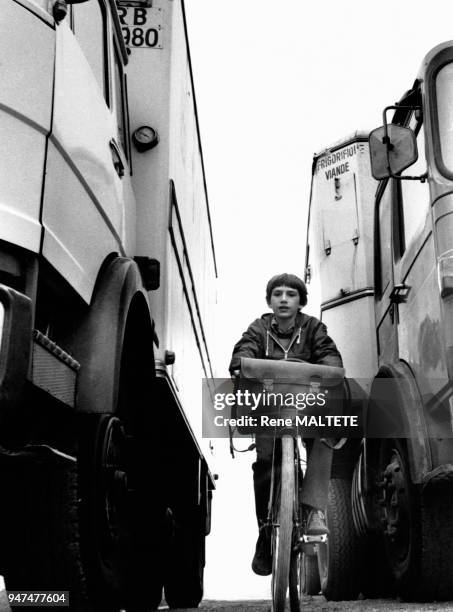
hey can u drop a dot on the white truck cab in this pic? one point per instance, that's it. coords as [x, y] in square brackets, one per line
[380, 249]
[107, 303]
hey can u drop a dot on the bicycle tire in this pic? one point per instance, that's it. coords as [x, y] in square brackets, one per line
[282, 528]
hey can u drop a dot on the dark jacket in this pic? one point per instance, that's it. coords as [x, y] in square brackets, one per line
[309, 341]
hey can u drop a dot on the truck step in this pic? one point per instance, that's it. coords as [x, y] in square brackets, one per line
[53, 370]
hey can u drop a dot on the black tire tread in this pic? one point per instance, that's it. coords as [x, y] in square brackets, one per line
[40, 529]
[376, 580]
[343, 557]
[437, 536]
[183, 584]
[311, 584]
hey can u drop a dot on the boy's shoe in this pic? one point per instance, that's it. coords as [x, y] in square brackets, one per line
[316, 524]
[262, 560]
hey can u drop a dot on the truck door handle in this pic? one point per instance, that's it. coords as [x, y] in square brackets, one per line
[116, 158]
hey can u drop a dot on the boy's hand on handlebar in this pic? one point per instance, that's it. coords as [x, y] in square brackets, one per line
[235, 374]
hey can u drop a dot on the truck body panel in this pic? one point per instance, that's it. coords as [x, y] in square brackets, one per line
[83, 193]
[172, 195]
[341, 253]
[24, 122]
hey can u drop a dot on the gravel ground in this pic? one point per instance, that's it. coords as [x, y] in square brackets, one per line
[319, 604]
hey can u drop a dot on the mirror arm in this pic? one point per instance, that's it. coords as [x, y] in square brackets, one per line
[397, 106]
[422, 178]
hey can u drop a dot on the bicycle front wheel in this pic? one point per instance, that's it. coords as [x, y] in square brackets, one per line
[282, 527]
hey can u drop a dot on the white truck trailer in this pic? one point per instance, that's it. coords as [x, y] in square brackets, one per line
[339, 248]
[107, 304]
[379, 250]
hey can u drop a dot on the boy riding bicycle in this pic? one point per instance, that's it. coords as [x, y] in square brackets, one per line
[287, 333]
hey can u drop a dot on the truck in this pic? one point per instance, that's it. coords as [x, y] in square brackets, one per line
[379, 259]
[107, 305]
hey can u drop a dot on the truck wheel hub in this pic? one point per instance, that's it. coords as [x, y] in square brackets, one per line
[115, 475]
[395, 515]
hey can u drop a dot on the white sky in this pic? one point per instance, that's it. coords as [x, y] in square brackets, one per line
[275, 82]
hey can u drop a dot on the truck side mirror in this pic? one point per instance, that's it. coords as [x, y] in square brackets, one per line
[393, 148]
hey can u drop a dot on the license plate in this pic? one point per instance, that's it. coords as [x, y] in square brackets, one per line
[141, 27]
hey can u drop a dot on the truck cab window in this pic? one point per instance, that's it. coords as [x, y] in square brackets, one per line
[444, 90]
[413, 196]
[89, 24]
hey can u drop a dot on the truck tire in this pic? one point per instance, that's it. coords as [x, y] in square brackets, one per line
[122, 530]
[185, 562]
[310, 583]
[338, 558]
[109, 517]
[303, 579]
[417, 527]
[44, 533]
[437, 536]
[375, 577]
[40, 545]
[103, 546]
[400, 516]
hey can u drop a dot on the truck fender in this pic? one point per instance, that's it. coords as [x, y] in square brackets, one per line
[118, 295]
[400, 414]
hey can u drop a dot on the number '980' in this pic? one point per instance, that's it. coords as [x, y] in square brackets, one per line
[139, 37]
